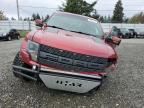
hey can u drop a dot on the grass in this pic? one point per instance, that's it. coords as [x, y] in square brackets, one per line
[23, 33]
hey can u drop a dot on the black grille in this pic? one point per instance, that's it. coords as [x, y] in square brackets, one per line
[69, 60]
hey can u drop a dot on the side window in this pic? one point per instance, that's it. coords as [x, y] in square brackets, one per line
[14, 30]
[11, 30]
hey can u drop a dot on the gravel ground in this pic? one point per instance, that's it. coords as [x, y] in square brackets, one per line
[123, 88]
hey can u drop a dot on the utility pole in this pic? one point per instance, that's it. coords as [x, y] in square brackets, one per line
[17, 8]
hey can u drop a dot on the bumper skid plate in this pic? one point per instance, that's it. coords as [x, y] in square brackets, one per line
[64, 80]
[68, 81]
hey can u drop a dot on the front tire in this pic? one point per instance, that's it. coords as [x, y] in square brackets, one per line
[9, 38]
[18, 37]
[17, 61]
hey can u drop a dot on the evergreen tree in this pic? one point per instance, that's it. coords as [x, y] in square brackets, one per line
[95, 15]
[125, 20]
[12, 18]
[101, 19]
[105, 19]
[118, 13]
[46, 18]
[78, 7]
[109, 19]
[38, 16]
[27, 19]
[34, 17]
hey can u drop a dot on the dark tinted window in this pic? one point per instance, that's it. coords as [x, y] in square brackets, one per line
[13, 30]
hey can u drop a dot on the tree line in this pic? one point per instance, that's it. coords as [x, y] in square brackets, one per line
[84, 8]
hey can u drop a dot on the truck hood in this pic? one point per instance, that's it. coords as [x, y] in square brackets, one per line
[75, 42]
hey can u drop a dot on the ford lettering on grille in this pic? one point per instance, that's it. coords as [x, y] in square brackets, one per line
[69, 60]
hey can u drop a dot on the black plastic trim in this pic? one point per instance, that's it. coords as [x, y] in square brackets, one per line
[70, 76]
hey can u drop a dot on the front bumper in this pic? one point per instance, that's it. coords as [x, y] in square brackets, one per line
[2, 37]
[61, 80]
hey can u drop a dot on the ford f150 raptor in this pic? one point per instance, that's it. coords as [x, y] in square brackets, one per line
[70, 52]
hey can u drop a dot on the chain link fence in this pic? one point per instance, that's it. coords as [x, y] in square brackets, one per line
[19, 25]
[30, 25]
[107, 26]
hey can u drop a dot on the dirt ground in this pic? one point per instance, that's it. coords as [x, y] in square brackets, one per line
[123, 88]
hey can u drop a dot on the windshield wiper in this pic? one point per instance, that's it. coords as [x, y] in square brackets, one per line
[56, 27]
[84, 33]
[72, 31]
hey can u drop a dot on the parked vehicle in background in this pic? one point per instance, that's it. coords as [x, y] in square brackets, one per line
[125, 33]
[67, 56]
[131, 34]
[134, 33]
[140, 33]
[9, 34]
[115, 32]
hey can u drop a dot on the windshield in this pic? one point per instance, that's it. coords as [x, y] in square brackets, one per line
[76, 24]
[131, 29]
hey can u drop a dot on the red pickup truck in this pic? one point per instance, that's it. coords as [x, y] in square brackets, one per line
[70, 52]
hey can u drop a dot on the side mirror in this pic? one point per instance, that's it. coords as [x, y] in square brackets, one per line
[113, 40]
[39, 22]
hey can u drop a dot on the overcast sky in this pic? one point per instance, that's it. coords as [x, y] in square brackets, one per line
[104, 7]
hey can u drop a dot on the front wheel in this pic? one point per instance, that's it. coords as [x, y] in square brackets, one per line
[9, 38]
[18, 37]
[17, 61]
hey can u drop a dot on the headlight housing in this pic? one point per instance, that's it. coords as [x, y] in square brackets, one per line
[4, 34]
[32, 48]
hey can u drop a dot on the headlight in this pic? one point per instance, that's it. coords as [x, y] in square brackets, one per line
[33, 49]
[4, 34]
